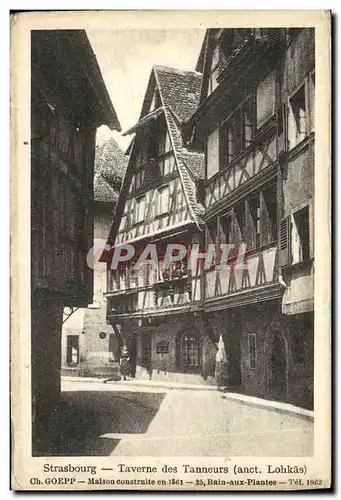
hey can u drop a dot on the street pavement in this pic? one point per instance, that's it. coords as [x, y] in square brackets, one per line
[127, 420]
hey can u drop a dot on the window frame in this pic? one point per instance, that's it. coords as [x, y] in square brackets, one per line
[291, 118]
[158, 205]
[69, 354]
[295, 231]
[198, 344]
[138, 217]
[259, 123]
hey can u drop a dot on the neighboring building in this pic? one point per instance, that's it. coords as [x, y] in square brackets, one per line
[68, 102]
[249, 110]
[89, 345]
[155, 312]
[255, 123]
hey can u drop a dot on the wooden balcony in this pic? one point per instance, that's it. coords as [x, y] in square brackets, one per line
[162, 297]
[236, 286]
[254, 165]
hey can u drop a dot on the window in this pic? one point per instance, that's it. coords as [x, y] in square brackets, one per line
[147, 274]
[246, 130]
[140, 209]
[212, 79]
[121, 277]
[246, 124]
[212, 153]
[252, 350]
[168, 144]
[236, 134]
[261, 218]
[142, 156]
[230, 139]
[138, 178]
[266, 99]
[297, 118]
[162, 203]
[225, 229]
[191, 352]
[72, 350]
[168, 165]
[162, 347]
[226, 144]
[132, 275]
[300, 236]
[269, 215]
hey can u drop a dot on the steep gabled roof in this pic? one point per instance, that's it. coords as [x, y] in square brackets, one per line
[179, 90]
[179, 93]
[110, 167]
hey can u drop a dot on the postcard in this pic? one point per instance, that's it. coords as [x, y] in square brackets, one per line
[170, 250]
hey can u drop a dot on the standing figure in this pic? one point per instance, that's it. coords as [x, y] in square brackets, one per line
[125, 363]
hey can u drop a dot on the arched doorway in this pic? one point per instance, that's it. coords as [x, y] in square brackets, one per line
[277, 366]
[189, 351]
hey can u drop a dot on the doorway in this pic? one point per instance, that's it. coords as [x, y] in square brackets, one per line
[115, 346]
[277, 368]
[146, 352]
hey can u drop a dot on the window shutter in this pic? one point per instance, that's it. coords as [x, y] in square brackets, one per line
[284, 242]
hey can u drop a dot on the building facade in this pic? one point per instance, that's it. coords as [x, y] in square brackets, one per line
[68, 102]
[89, 345]
[156, 311]
[255, 123]
[252, 123]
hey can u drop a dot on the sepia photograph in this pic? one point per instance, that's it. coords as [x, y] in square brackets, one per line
[172, 250]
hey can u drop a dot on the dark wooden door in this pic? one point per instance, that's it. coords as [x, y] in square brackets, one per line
[278, 369]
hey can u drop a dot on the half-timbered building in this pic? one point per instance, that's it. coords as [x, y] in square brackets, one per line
[156, 311]
[255, 124]
[89, 345]
[69, 101]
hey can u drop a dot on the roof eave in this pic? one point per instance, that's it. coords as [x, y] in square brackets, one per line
[92, 72]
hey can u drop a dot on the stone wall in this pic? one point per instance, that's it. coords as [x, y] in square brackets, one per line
[294, 337]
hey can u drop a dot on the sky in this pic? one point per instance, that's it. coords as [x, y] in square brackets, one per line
[126, 58]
